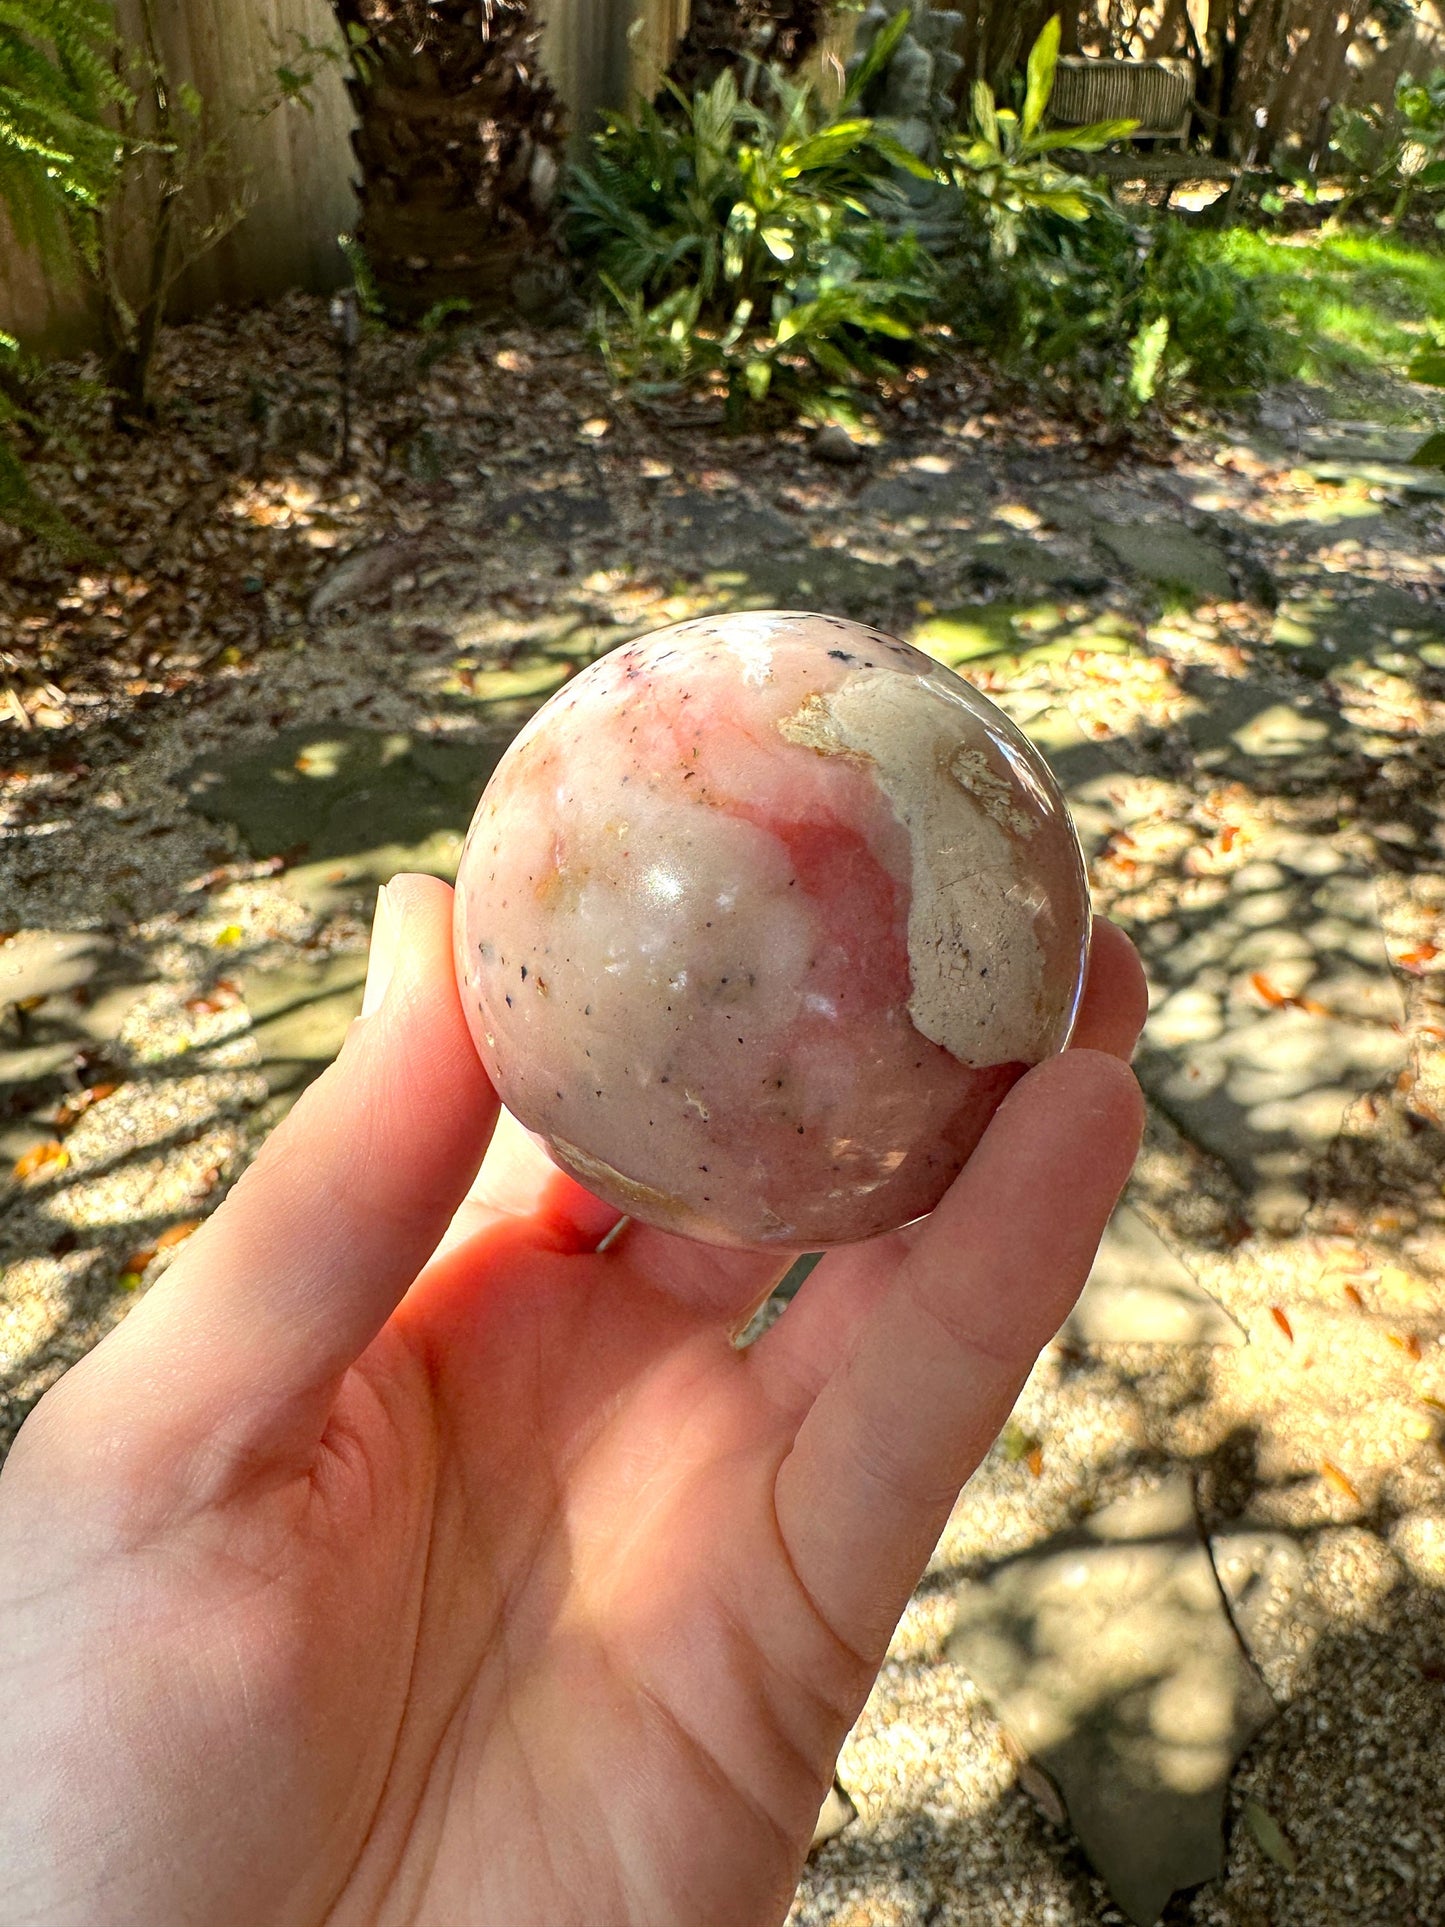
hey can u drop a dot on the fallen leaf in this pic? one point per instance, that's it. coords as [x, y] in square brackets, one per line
[1354, 1297]
[222, 995]
[1041, 1790]
[1435, 1404]
[1269, 1836]
[1339, 1481]
[72, 1108]
[1407, 1343]
[176, 1234]
[228, 938]
[1262, 987]
[136, 1263]
[1282, 1321]
[1283, 999]
[1034, 1460]
[1415, 960]
[42, 1160]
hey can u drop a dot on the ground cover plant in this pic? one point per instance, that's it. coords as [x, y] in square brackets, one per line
[1347, 301]
[740, 242]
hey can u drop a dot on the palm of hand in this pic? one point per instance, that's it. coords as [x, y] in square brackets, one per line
[529, 1598]
[612, 1654]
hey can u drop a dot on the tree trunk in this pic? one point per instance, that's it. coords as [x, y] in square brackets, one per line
[733, 33]
[459, 138]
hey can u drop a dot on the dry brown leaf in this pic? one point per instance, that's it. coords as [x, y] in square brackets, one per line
[1416, 959]
[1339, 1481]
[42, 1160]
[176, 1234]
[1281, 1319]
[74, 1107]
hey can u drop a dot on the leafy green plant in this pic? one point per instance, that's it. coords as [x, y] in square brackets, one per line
[1003, 168]
[59, 163]
[1394, 154]
[738, 243]
[1120, 318]
[58, 153]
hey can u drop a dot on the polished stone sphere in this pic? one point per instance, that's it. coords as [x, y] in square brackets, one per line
[758, 920]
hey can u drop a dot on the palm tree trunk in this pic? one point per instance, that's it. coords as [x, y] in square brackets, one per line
[459, 139]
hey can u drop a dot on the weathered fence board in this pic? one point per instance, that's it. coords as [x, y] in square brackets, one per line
[281, 181]
[288, 173]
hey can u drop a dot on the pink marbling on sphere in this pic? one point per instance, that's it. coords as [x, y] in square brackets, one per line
[758, 920]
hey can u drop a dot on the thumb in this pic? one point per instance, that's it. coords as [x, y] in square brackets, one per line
[240, 1346]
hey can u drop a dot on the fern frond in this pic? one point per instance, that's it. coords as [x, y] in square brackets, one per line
[58, 156]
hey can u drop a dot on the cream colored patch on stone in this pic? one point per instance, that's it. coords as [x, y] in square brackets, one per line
[973, 956]
[596, 1171]
[971, 768]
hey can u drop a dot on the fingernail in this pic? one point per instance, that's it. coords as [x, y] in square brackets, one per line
[385, 932]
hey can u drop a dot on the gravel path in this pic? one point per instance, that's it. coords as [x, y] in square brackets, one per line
[1235, 658]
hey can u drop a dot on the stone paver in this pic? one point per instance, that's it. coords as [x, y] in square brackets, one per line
[1172, 558]
[1139, 1293]
[1109, 1656]
[376, 800]
[299, 1018]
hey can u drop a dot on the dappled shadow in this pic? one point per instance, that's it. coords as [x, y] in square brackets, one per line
[1350, 1840]
[1245, 714]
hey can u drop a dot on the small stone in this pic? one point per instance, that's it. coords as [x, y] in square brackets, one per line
[833, 443]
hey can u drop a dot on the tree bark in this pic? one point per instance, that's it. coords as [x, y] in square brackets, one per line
[459, 139]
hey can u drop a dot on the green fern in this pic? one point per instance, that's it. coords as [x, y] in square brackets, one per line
[58, 156]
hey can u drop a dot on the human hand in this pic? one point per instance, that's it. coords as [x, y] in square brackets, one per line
[401, 1558]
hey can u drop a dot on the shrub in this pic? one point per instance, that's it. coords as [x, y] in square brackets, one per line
[1004, 170]
[1118, 318]
[738, 241]
[1394, 155]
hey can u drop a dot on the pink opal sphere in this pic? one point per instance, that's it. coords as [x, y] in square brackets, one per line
[759, 919]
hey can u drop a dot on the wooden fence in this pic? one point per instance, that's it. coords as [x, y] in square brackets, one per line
[280, 181]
